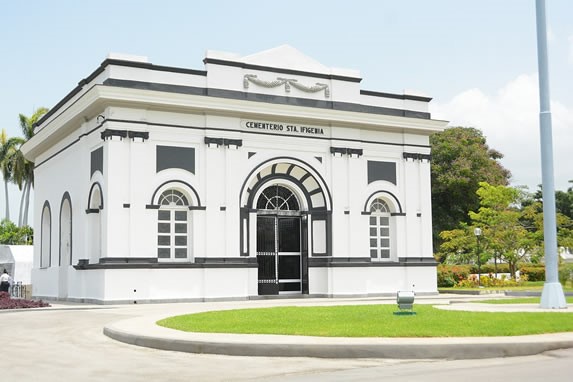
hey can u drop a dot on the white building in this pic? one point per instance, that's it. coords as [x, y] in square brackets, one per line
[263, 174]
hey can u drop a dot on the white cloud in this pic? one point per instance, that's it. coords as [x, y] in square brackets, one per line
[510, 121]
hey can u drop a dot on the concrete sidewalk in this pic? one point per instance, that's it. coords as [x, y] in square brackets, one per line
[143, 331]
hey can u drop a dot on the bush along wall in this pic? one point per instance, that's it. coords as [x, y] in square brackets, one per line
[533, 272]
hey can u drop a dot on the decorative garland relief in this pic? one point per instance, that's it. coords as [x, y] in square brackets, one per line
[287, 82]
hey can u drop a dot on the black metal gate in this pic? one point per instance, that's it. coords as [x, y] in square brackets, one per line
[279, 254]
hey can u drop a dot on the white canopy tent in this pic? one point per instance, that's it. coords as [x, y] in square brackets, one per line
[18, 261]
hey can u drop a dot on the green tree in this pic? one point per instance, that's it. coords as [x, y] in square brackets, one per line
[10, 234]
[461, 159]
[564, 202]
[511, 221]
[23, 170]
[8, 147]
[500, 216]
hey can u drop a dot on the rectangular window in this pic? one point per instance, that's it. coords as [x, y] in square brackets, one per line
[163, 227]
[163, 240]
[380, 236]
[180, 227]
[163, 253]
[164, 215]
[181, 215]
[173, 233]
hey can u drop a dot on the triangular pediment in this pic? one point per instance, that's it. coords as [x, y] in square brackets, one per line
[285, 56]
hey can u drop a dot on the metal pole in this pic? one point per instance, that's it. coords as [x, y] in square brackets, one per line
[552, 296]
[479, 263]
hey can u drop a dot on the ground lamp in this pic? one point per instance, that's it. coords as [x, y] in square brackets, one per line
[405, 301]
[477, 232]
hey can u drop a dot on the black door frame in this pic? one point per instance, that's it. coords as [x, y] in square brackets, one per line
[268, 262]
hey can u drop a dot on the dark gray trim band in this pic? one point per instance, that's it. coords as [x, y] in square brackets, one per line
[366, 209]
[219, 130]
[398, 214]
[116, 62]
[280, 70]
[152, 263]
[223, 142]
[260, 97]
[395, 96]
[331, 262]
[417, 156]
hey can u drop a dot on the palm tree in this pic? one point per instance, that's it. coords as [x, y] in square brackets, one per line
[8, 146]
[23, 170]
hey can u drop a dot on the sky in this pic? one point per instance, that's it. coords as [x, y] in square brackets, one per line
[476, 58]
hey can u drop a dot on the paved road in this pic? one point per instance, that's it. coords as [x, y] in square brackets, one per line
[68, 345]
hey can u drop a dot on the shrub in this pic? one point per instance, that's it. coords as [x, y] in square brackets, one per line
[450, 275]
[490, 268]
[17, 303]
[566, 273]
[533, 273]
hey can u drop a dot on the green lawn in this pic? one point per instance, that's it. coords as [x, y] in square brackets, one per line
[370, 321]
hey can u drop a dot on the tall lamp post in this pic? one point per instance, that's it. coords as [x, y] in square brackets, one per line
[477, 233]
[552, 296]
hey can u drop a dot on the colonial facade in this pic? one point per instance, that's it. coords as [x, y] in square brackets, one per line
[260, 175]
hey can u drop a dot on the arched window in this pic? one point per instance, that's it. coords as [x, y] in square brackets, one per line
[380, 230]
[95, 206]
[277, 198]
[46, 235]
[173, 226]
[66, 230]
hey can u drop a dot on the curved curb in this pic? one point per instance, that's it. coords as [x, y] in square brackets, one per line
[320, 347]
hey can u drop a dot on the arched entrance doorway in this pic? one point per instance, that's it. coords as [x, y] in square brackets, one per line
[279, 254]
[285, 214]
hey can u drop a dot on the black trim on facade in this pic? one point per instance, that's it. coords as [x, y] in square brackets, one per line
[366, 209]
[331, 262]
[197, 208]
[126, 205]
[346, 212]
[365, 213]
[144, 135]
[101, 68]
[346, 151]
[222, 208]
[152, 206]
[395, 96]
[223, 142]
[175, 181]
[266, 98]
[417, 156]
[419, 214]
[94, 185]
[153, 263]
[398, 214]
[250, 154]
[92, 210]
[319, 159]
[244, 65]
[229, 130]
[109, 133]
